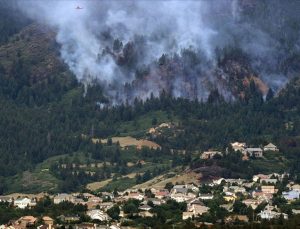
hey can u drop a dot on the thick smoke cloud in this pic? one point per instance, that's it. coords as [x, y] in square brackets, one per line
[149, 29]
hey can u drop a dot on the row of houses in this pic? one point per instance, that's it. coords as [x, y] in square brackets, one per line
[247, 152]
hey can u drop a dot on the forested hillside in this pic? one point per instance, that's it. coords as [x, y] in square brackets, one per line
[47, 118]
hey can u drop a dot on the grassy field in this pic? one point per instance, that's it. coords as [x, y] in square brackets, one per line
[94, 186]
[130, 141]
[33, 182]
[159, 182]
[121, 184]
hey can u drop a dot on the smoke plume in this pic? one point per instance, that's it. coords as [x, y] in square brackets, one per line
[138, 48]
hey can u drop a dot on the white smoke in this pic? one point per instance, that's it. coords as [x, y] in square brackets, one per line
[165, 27]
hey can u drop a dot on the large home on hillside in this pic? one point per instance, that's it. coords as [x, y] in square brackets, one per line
[210, 154]
[253, 152]
[271, 147]
[238, 146]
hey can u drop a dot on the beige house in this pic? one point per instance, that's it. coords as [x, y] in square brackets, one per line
[59, 198]
[195, 208]
[210, 154]
[271, 147]
[47, 220]
[268, 189]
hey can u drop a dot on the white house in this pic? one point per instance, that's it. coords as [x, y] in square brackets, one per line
[206, 196]
[145, 207]
[269, 213]
[24, 202]
[97, 214]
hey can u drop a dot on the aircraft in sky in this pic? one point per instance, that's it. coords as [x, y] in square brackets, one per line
[78, 8]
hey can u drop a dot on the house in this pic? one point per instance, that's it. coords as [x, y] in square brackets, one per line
[114, 226]
[217, 181]
[296, 211]
[145, 214]
[269, 213]
[44, 226]
[296, 187]
[228, 207]
[181, 197]
[97, 214]
[258, 177]
[234, 218]
[69, 218]
[86, 226]
[195, 208]
[93, 202]
[27, 221]
[47, 220]
[192, 187]
[179, 189]
[206, 196]
[210, 154]
[24, 202]
[162, 194]
[254, 152]
[88, 195]
[106, 205]
[271, 147]
[268, 181]
[268, 189]
[248, 184]
[59, 198]
[229, 198]
[135, 195]
[238, 146]
[238, 181]
[155, 201]
[145, 207]
[234, 189]
[7, 199]
[261, 196]
[252, 203]
[291, 195]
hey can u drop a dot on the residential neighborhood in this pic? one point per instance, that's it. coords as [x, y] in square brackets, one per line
[237, 198]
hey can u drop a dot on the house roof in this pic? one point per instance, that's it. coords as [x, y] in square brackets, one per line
[145, 206]
[47, 218]
[270, 145]
[196, 202]
[254, 149]
[29, 218]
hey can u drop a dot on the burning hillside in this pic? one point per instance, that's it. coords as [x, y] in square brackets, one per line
[137, 49]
